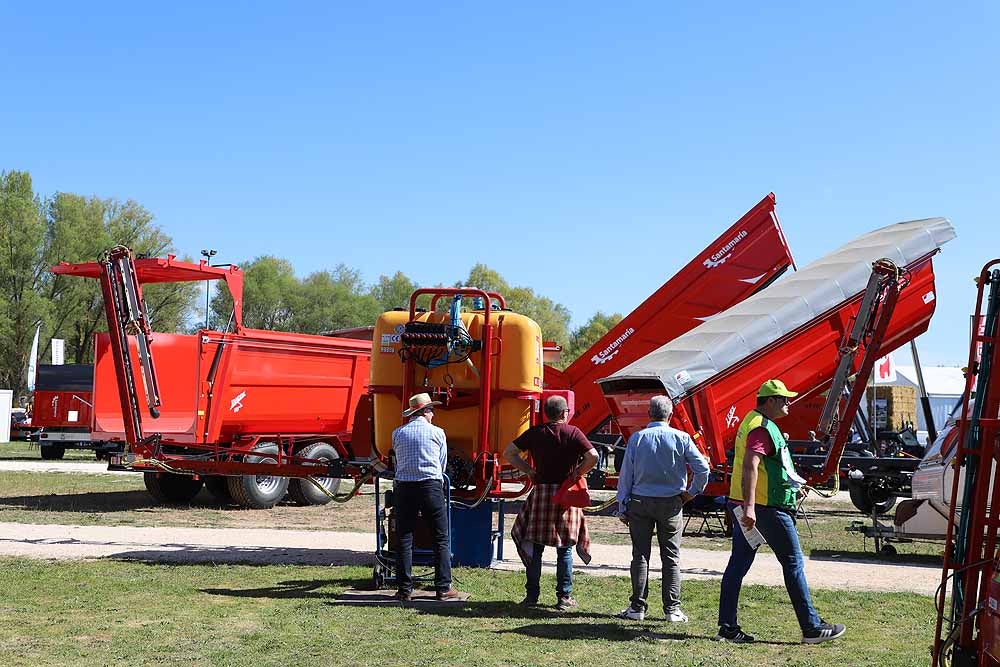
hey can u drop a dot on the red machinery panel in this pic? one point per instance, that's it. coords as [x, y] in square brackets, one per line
[805, 360]
[265, 384]
[63, 397]
[741, 261]
[61, 409]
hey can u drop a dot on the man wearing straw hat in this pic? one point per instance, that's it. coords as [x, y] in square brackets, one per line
[421, 455]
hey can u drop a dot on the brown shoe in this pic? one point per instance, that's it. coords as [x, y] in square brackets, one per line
[450, 594]
[403, 596]
[565, 603]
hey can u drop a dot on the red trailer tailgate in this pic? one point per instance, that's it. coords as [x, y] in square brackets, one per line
[792, 330]
[741, 261]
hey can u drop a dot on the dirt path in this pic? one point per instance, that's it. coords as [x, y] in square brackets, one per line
[85, 467]
[312, 547]
[204, 545]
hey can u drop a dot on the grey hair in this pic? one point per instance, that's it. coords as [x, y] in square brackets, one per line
[660, 408]
[554, 407]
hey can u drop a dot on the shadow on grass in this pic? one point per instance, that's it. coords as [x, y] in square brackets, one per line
[501, 609]
[105, 502]
[611, 631]
[864, 557]
[295, 589]
[198, 554]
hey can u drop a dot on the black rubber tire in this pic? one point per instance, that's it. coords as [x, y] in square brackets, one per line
[596, 479]
[304, 492]
[862, 499]
[52, 452]
[259, 492]
[218, 487]
[170, 488]
[888, 550]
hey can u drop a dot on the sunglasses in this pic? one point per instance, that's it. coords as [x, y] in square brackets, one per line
[784, 400]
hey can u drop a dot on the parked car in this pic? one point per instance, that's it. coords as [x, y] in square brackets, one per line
[20, 424]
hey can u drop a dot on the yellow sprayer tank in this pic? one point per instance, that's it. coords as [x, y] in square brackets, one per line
[517, 369]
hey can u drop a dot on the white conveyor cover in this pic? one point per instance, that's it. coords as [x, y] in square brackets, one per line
[758, 321]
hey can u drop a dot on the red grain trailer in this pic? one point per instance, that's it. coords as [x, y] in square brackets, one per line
[798, 330]
[240, 412]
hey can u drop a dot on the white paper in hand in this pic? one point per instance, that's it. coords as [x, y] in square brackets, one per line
[753, 536]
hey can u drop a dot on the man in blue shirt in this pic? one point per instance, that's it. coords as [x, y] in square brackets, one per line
[421, 456]
[652, 489]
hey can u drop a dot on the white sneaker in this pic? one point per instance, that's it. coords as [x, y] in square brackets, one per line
[677, 616]
[632, 614]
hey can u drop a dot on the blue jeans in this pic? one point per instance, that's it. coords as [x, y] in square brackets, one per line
[564, 572]
[778, 528]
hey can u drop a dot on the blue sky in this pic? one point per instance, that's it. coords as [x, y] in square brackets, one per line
[587, 150]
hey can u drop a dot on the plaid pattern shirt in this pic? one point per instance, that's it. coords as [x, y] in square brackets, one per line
[541, 521]
[421, 451]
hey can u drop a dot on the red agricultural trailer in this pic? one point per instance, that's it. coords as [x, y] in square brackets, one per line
[744, 259]
[240, 412]
[63, 411]
[820, 328]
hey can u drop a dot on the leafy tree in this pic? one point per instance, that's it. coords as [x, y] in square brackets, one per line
[333, 300]
[269, 291]
[80, 229]
[552, 317]
[22, 271]
[393, 292]
[583, 337]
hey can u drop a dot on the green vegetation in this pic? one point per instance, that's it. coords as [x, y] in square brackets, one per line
[122, 500]
[38, 232]
[100, 613]
[28, 451]
[821, 531]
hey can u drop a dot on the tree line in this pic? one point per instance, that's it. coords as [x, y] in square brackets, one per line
[38, 232]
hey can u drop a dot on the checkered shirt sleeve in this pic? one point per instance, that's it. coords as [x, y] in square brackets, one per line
[421, 451]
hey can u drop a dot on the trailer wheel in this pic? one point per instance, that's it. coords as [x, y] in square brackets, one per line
[868, 497]
[304, 492]
[170, 488]
[259, 492]
[52, 452]
[218, 486]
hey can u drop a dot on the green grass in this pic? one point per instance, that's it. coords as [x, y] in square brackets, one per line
[102, 613]
[121, 500]
[28, 451]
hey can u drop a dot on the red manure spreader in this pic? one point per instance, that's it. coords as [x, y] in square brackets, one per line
[250, 414]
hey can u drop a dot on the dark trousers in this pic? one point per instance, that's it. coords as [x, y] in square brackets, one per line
[427, 498]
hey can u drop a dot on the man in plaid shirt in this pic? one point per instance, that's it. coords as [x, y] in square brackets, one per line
[421, 455]
[559, 452]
